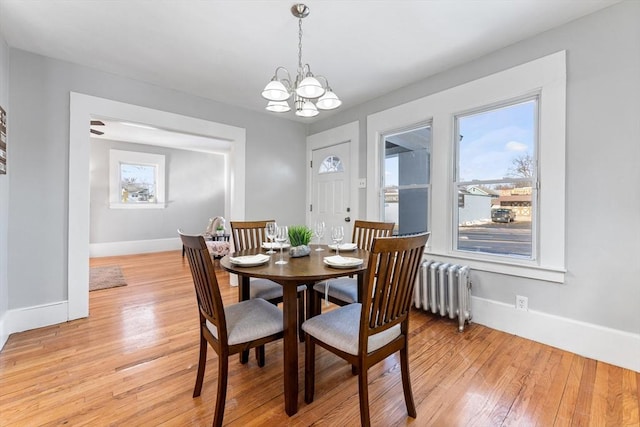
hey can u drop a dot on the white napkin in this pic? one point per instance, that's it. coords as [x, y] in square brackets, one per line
[274, 245]
[340, 260]
[249, 259]
[347, 246]
[344, 246]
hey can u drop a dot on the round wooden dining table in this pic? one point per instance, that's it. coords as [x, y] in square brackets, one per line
[305, 270]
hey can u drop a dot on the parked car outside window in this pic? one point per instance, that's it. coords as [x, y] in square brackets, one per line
[503, 215]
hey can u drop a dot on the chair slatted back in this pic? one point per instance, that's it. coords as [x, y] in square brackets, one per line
[248, 234]
[365, 231]
[205, 282]
[391, 277]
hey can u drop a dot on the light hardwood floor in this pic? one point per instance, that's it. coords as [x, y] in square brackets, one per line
[133, 362]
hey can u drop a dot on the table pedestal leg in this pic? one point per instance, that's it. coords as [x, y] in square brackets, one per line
[243, 295]
[289, 303]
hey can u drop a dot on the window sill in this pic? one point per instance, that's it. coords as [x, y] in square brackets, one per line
[529, 271]
[137, 205]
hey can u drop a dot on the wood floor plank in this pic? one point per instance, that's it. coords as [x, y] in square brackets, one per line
[569, 398]
[134, 360]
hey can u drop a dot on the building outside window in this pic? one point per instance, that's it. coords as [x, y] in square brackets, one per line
[407, 179]
[138, 183]
[136, 180]
[496, 179]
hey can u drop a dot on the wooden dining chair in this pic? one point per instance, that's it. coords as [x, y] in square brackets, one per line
[344, 290]
[251, 235]
[229, 330]
[366, 333]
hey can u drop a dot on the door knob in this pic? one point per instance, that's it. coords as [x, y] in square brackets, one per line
[347, 219]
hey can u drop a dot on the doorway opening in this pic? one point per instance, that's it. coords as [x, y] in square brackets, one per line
[82, 109]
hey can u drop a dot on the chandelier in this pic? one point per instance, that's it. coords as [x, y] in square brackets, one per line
[308, 93]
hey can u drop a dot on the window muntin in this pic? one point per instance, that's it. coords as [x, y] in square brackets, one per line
[407, 179]
[496, 169]
[331, 164]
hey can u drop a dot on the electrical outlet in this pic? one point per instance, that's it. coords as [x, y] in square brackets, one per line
[362, 183]
[522, 303]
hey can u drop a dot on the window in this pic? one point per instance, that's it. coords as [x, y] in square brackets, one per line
[138, 183]
[136, 180]
[331, 164]
[406, 180]
[496, 180]
[459, 183]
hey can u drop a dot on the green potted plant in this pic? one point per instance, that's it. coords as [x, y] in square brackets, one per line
[299, 237]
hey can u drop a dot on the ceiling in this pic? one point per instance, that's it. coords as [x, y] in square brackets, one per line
[228, 50]
[140, 133]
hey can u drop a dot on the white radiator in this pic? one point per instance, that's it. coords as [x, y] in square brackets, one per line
[444, 289]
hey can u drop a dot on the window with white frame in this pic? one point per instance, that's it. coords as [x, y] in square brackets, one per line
[136, 180]
[496, 179]
[331, 164]
[406, 179]
[497, 146]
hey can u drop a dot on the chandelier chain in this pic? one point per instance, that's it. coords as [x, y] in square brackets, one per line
[299, 46]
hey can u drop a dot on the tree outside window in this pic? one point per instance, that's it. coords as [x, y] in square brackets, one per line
[136, 180]
[138, 183]
[496, 180]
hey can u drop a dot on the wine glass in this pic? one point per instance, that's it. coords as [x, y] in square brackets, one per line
[319, 232]
[281, 237]
[337, 234]
[271, 231]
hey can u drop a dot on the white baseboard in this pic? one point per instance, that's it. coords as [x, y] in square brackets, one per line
[24, 319]
[134, 247]
[586, 339]
[596, 342]
[4, 333]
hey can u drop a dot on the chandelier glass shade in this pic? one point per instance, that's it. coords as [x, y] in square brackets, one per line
[309, 92]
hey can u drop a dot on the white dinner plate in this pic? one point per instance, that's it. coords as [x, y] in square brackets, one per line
[345, 247]
[342, 261]
[275, 245]
[249, 260]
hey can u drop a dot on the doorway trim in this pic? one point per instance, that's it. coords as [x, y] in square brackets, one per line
[82, 107]
[350, 133]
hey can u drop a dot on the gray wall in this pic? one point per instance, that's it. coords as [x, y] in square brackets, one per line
[194, 193]
[4, 186]
[38, 191]
[603, 148]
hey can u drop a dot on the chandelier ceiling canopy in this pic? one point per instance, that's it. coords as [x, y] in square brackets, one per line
[309, 93]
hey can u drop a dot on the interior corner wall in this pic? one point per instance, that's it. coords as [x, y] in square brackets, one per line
[39, 188]
[4, 194]
[601, 287]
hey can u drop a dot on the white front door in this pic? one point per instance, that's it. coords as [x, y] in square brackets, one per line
[331, 188]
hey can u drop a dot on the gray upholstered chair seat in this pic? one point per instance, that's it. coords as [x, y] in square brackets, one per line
[343, 288]
[250, 320]
[267, 289]
[340, 329]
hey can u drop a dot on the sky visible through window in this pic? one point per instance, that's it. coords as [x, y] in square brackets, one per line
[141, 174]
[491, 140]
[138, 182]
